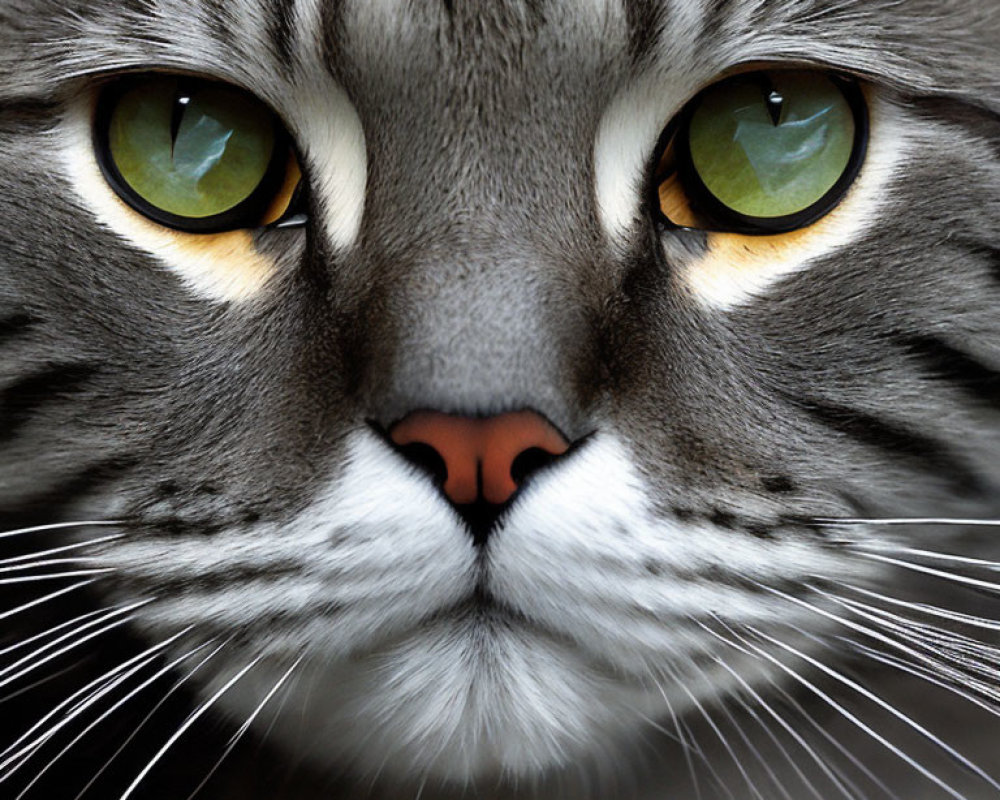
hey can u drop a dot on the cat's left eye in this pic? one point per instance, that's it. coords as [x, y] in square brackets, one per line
[196, 155]
[762, 152]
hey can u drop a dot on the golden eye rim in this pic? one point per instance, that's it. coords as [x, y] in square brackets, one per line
[248, 214]
[712, 214]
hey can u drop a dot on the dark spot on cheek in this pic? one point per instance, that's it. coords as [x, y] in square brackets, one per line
[759, 530]
[778, 484]
[722, 519]
[684, 514]
[653, 568]
[167, 488]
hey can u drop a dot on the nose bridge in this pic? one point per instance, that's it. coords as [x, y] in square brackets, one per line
[476, 330]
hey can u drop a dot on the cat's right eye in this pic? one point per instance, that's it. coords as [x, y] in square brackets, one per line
[196, 155]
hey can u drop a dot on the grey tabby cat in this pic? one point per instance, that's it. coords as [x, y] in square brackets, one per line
[523, 446]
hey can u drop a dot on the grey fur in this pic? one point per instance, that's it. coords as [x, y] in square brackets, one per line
[482, 280]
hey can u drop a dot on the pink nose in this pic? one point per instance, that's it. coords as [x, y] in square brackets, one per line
[478, 453]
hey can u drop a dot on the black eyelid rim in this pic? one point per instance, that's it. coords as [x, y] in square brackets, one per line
[721, 218]
[245, 214]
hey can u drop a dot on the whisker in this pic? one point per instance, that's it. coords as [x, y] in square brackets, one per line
[59, 526]
[246, 725]
[173, 689]
[49, 562]
[925, 674]
[107, 677]
[749, 744]
[56, 576]
[13, 763]
[696, 747]
[42, 681]
[984, 523]
[865, 611]
[909, 551]
[31, 667]
[832, 740]
[39, 601]
[847, 714]
[25, 642]
[826, 769]
[684, 743]
[192, 718]
[63, 549]
[111, 680]
[888, 707]
[121, 702]
[937, 573]
[929, 610]
[720, 736]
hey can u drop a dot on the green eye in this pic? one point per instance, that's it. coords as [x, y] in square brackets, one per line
[767, 152]
[191, 154]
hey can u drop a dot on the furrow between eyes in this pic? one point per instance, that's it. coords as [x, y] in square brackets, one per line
[20, 401]
[921, 450]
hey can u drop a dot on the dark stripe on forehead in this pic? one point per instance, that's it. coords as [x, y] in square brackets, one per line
[280, 32]
[220, 22]
[331, 22]
[645, 20]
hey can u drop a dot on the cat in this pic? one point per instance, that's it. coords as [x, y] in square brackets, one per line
[416, 399]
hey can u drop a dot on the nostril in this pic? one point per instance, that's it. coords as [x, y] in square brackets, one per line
[529, 461]
[478, 462]
[426, 458]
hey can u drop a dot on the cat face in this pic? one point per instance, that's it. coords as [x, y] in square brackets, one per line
[481, 240]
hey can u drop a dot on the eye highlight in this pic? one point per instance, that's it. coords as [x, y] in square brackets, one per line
[762, 152]
[195, 155]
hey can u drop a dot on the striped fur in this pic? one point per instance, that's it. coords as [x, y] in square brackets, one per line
[277, 605]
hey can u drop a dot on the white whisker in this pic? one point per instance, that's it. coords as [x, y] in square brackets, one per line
[929, 610]
[937, 573]
[59, 526]
[909, 551]
[844, 712]
[63, 549]
[888, 707]
[57, 576]
[746, 739]
[720, 736]
[49, 563]
[31, 667]
[54, 629]
[112, 679]
[833, 521]
[246, 726]
[192, 718]
[170, 692]
[783, 723]
[39, 601]
[121, 702]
